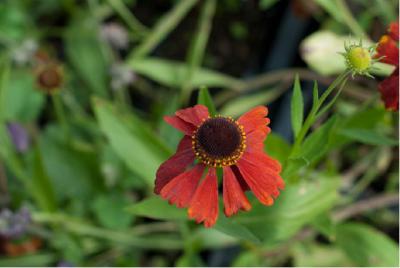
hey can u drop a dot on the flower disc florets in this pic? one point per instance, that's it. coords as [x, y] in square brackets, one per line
[219, 141]
[359, 59]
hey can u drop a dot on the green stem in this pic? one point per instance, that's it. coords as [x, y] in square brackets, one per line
[163, 27]
[60, 113]
[133, 23]
[198, 45]
[349, 19]
[312, 115]
[85, 229]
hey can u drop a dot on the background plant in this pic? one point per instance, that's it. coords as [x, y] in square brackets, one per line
[83, 161]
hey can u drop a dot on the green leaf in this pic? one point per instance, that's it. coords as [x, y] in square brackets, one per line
[247, 259]
[232, 228]
[297, 107]
[277, 147]
[367, 246]
[21, 101]
[189, 260]
[319, 255]
[366, 118]
[86, 54]
[368, 136]
[157, 208]
[74, 173]
[205, 99]
[324, 224]
[40, 185]
[297, 205]
[135, 144]
[109, 210]
[32, 260]
[292, 166]
[173, 74]
[265, 4]
[242, 104]
[317, 143]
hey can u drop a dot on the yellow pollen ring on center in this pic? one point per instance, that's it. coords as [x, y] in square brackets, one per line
[213, 161]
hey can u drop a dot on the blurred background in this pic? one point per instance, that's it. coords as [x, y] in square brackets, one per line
[84, 85]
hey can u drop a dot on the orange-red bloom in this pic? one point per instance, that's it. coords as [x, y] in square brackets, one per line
[236, 146]
[388, 51]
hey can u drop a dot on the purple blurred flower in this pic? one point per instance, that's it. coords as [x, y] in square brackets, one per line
[19, 136]
[14, 225]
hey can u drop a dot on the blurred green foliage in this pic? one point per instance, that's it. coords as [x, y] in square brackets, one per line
[89, 172]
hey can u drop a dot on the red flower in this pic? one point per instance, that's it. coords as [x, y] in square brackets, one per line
[389, 52]
[236, 146]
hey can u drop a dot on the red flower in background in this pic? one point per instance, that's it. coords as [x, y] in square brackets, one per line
[236, 146]
[389, 52]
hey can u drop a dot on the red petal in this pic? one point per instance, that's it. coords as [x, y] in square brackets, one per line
[387, 48]
[263, 182]
[240, 179]
[255, 140]
[393, 31]
[179, 190]
[389, 89]
[255, 119]
[175, 165]
[194, 115]
[180, 124]
[234, 198]
[261, 158]
[204, 205]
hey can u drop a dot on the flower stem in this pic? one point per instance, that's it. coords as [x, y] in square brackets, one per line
[312, 116]
[349, 19]
[58, 107]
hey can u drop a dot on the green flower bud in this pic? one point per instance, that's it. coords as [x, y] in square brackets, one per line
[359, 59]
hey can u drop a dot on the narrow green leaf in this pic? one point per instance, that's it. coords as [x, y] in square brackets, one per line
[199, 42]
[315, 94]
[41, 186]
[205, 99]
[368, 136]
[157, 208]
[297, 107]
[137, 146]
[173, 74]
[164, 26]
[367, 246]
[32, 260]
[86, 54]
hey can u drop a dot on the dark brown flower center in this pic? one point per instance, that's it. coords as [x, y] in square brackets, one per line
[219, 141]
[219, 137]
[49, 78]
